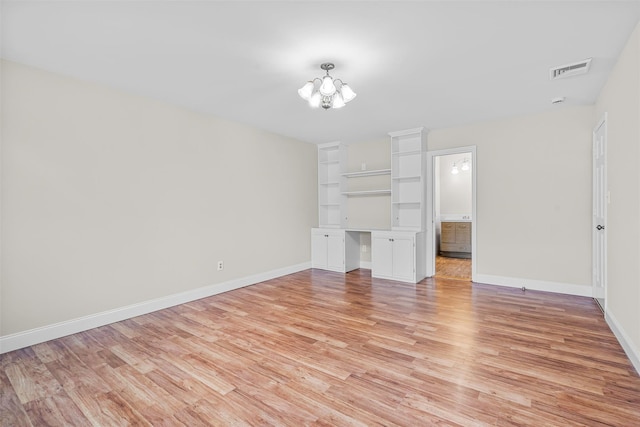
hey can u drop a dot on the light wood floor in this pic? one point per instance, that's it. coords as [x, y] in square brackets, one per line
[453, 268]
[326, 349]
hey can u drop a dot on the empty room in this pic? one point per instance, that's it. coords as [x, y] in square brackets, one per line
[320, 213]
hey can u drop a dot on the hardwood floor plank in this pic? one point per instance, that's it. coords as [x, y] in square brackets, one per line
[12, 412]
[318, 348]
[106, 409]
[55, 410]
[31, 380]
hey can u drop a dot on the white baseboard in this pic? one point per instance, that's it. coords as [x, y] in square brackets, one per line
[535, 285]
[632, 353]
[61, 329]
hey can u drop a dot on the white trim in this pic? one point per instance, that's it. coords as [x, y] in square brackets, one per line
[632, 353]
[602, 122]
[536, 285]
[408, 131]
[68, 327]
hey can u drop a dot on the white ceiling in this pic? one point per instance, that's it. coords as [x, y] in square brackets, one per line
[430, 63]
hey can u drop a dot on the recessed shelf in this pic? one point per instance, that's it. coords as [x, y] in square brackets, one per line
[367, 173]
[330, 183]
[406, 153]
[329, 162]
[366, 193]
[407, 204]
[407, 178]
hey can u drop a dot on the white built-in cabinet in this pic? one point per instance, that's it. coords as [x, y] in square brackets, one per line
[331, 202]
[335, 250]
[408, 157]
[398, 255]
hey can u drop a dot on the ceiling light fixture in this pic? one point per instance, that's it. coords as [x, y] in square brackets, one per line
[466, 165]
[323, 92]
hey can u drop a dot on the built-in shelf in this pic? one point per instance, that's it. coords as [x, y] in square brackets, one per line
[331, 204]
[366, 193]
[407, 178]
[406, 153]
[367, 173]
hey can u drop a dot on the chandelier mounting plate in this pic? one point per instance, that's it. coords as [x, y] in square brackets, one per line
[327, 66]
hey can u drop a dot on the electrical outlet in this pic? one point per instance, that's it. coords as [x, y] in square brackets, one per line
[363, 166]
[220, 265]
[364, 248]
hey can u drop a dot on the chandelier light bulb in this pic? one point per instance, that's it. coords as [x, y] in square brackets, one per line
[465, 165]
[306, 91]
[338, 100]
[315, 100]
[327, 88]
[347, 93]
[454, 169]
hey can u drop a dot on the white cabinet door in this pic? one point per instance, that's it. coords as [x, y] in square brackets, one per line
[335, 251]
[328, 249]
[393, 256]
[403, 258]
[381, 256]
[318, 249]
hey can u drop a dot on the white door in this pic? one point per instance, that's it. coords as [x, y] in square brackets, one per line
[381, 256]
[335, 252]
[318, 249]
[600, 201]
[403, 257]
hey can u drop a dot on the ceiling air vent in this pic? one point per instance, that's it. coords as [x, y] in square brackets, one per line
[575, 69]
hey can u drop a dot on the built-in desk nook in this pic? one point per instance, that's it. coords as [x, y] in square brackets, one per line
[397, 252]
[395, 255]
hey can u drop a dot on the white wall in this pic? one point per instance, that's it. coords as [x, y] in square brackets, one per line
[620, 98]
[533, 197]
[455, 192]
[110, 199]
[369, 211]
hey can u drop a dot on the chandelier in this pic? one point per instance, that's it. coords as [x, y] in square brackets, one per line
[324, 92]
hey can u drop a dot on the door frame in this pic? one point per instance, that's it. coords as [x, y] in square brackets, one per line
[430, 207]
[604, 200]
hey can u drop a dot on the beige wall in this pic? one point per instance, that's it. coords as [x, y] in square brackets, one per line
[369, 211]
[620, 99]
[533, 194]
[109, 199]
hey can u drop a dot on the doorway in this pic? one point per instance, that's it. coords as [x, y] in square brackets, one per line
[451, 213]
[600, 201]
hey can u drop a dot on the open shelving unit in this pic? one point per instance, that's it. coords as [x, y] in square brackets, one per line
[408, 150]
[331, 201]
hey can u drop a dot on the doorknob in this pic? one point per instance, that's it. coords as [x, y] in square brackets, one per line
[600, 227]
